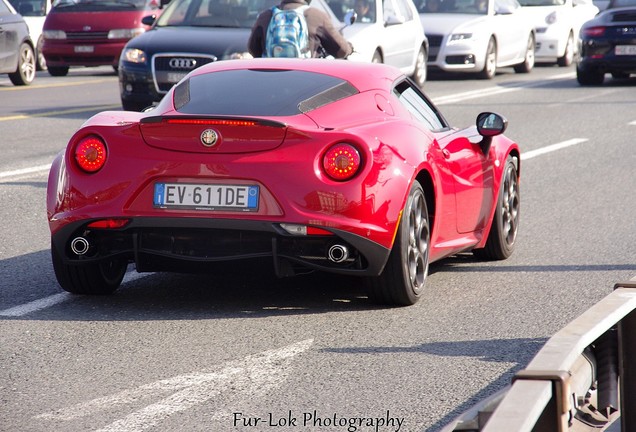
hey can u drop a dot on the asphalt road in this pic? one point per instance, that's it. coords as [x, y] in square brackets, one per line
[239, 350]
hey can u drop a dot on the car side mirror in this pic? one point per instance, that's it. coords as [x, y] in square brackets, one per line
[350, 17]
[490, 124]
[149, 20]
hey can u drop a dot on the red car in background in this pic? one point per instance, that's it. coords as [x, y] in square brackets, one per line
[314, 164]
[91, 32]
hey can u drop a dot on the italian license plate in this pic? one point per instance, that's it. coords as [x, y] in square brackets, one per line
[84, 48]
[206, 196]
[625, 50]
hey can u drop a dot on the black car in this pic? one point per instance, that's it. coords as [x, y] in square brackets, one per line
[188, 34]
[17, 56]
[607, 44]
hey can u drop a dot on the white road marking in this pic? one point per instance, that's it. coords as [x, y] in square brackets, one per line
[254, 375]
[632, 123]
[54, 299]
[490, 91]
[24, 171]
[35, 305]
[554, 147]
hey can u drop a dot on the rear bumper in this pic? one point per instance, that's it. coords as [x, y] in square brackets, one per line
[190, 245]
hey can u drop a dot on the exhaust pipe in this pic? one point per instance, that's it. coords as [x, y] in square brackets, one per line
[79, 246]
[338, 253]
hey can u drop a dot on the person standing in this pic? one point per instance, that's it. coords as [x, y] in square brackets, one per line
[323, 36]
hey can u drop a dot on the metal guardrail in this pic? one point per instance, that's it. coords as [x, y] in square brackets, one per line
[583, 379]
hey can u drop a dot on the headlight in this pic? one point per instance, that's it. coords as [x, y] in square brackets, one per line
[134, 55]
[125, 33]
[458, 37]
[54, 34]
[551, 18]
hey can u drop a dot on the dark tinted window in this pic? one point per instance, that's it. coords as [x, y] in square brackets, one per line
[419, 106]
[260, 92]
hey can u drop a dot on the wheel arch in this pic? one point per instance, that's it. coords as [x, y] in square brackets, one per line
[426, 181]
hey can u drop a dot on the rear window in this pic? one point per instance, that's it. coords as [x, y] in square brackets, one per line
[99, 5]
[251, 92]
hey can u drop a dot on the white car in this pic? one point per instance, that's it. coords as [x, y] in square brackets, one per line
[477, 36]
[34, 13]
[389, 32]
[557, 24]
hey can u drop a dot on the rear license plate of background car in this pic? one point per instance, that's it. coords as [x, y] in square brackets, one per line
[206, 196]
[625, 50]
[84, 48]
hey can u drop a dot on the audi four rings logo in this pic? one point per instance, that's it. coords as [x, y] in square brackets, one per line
[182, 63]
[209, 137]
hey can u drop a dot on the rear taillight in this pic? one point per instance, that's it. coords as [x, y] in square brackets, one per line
[594, 31]
[341, 161]
[90, 154]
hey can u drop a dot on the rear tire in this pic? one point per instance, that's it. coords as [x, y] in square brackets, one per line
[25, 73]
[490, 63]
[58, 71]
[568, 55]
[589, 76]
[505, 223]
[419, 74]
[93, 278]
[528, 61]
[403, 278]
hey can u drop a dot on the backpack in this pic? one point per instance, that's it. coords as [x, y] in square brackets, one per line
[287, 34]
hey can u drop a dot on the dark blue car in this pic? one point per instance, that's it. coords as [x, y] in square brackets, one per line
[188, 34]
[607, 45]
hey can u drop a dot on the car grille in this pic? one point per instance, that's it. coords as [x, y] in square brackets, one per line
[168, 69]
[92, 36]
[434, 40]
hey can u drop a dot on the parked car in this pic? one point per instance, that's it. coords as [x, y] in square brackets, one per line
[557, 24]
[91, 33]
[608, 45]
[312, 164]
[17, 57]
[477, 36]
[191, 33]
[34, 13]
[387, 31]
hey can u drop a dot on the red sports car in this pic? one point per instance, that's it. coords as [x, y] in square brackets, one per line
[325, 165]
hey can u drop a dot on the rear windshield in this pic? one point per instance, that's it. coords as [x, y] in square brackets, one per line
[99, 5]
[259, 92]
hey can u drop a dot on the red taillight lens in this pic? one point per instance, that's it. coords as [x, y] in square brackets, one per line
[109, 223]
[211, 122]
[341, 162]
[594, 31]
[90, 154]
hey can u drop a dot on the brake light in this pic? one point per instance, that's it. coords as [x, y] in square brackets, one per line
[341, 161]
[109, 223]
[90, 154]
[213, 122]
[594, 31]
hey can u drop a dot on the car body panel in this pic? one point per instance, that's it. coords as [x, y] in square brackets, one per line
[86, 40]
[554, 24]
[501, 21]
[364, 211]
[13, 33]
[607, 44]
[34, 13]
[394, 31]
